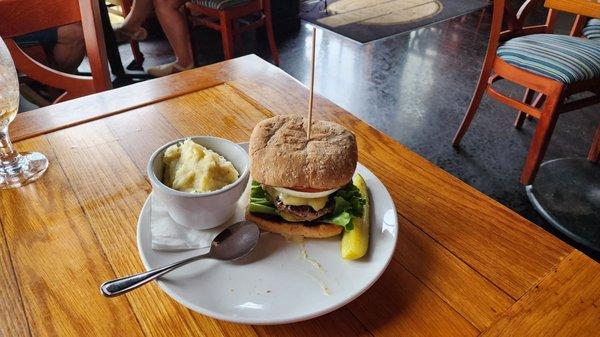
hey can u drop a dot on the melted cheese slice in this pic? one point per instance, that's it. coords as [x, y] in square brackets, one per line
[315, 203]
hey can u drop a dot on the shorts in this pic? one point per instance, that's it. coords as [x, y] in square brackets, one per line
[46, 38]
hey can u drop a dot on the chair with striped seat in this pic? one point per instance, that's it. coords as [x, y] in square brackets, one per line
[554, 66]
[233, 17]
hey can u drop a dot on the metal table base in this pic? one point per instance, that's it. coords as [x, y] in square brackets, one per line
[566, 192]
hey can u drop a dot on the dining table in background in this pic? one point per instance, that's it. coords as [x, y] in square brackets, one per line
[464, 265]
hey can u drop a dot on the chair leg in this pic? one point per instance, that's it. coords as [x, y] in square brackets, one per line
[479, 91]
[537, 102]
[594, 154]
[521, 115]
[541, 138]
[226, 34]
[135, 46]
[270, 34]
[138, 56]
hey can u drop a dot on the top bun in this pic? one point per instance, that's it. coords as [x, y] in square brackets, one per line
[281, 156]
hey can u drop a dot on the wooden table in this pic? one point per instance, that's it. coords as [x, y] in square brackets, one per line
[464, 266]
[589, 8]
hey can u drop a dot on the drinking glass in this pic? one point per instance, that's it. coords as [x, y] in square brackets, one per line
[16, 169]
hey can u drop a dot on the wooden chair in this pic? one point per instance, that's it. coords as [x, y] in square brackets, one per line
[22, 17]
[226, 16]
[518, 54]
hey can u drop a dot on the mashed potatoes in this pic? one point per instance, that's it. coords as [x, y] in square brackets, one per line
[190, 167]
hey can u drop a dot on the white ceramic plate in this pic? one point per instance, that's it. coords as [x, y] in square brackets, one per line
[282, 281]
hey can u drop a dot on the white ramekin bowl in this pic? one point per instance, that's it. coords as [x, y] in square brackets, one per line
[201, 210]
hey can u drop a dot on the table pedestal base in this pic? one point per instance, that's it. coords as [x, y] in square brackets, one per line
[566, 192]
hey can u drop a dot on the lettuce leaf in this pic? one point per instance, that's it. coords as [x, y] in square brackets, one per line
[259, 201]
[348, 204]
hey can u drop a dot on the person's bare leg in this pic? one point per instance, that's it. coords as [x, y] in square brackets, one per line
[70, 48]
[138, 14]
[174, 24]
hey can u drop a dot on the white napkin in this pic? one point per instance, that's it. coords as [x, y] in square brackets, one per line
[167, 235]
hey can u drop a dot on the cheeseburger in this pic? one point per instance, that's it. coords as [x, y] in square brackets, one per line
[303, 187]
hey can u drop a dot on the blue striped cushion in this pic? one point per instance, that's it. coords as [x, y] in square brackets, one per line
[592, 29]
[219, 4]
[563, 58]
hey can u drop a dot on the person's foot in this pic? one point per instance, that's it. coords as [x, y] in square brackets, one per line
[123, 34]
[167, 69]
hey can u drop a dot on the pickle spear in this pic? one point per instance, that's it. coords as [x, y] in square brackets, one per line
[355, 243]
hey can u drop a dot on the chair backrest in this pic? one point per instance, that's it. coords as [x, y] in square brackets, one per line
[20, 17]
[580, 22]
[504, 15]
[515, 19]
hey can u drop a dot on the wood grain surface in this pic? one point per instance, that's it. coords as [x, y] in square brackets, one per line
[11, 305]
[464, 264]
[589, 8]
[57, 259]
[571, 290]
[467, 291]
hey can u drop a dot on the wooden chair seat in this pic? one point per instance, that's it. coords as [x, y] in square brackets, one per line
[566, 59]
[592, 30]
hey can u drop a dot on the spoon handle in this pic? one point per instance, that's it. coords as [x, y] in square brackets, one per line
[125, 284]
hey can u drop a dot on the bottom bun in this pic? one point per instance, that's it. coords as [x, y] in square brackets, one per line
[316, 230]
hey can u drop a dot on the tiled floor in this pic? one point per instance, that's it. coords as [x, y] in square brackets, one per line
[416, 88]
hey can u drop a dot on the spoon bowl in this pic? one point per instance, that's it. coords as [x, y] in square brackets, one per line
[235, 242]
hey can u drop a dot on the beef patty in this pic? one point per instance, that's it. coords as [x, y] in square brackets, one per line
[304, 212]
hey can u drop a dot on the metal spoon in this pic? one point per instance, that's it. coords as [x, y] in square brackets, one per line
[234, 242]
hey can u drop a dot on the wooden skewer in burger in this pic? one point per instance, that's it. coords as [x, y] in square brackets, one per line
[303, 182]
